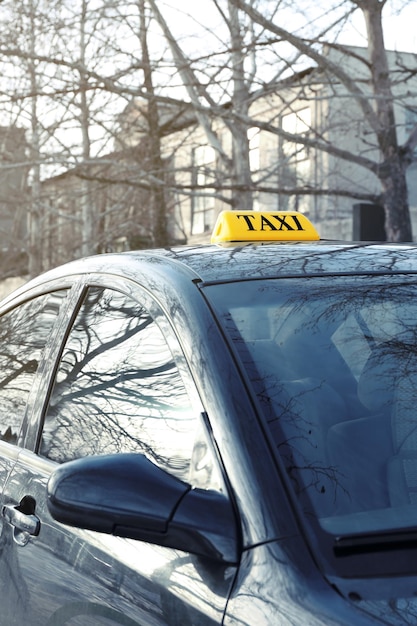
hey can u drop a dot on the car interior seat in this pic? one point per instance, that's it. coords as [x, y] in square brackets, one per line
[402, 467]
[300, 410]
[311, 353]
[375, 449]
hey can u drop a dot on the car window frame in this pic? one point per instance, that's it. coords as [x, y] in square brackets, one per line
[140, 293]
[36, 398]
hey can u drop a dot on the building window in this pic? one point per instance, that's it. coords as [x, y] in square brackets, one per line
[253, 138]
[410, 123]
[410, 118]
[254, 160]
[297, 123]
[203, 176]
[295, 156]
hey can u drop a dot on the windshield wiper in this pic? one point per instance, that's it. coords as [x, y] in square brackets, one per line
[396, 539]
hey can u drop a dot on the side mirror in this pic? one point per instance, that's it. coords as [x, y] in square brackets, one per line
[129, 496]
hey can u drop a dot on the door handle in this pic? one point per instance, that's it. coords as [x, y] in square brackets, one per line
[22, 517]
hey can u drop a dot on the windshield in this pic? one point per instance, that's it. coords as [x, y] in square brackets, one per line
[333, 365]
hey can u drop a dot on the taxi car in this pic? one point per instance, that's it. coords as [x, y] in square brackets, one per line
[221, 434]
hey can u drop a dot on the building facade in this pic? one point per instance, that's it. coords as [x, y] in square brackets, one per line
[285, 126]
[290, 174]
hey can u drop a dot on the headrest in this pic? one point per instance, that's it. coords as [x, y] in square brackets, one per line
[386, 363]
[267, 357]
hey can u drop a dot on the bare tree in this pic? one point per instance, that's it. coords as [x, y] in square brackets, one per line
[237, 165]
[157, 196]
[87, 208]
[377, 110]
[82, 68]
[253, 31]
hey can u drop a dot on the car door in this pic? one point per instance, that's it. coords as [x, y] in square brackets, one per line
[121, 386]
[25, 335]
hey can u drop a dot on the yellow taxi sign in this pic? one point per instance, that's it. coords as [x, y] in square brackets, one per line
[263, 226]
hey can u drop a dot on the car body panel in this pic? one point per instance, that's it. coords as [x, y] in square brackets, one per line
[64, 568]
[67, 575]
[107, 578]
[303, 597]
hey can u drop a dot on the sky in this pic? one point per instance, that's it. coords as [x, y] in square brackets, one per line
[400, 20]
[400, 27]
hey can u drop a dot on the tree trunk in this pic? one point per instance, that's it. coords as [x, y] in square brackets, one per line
[395, 199]
[89, 243]
[242, 176]
[392, 171]
[158, 208]
[35, 233]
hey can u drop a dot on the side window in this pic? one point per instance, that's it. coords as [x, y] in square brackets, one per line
[24, 332]
[118, 389]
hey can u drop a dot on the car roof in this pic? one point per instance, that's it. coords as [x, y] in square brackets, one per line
[267, 260]
[233, 262]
